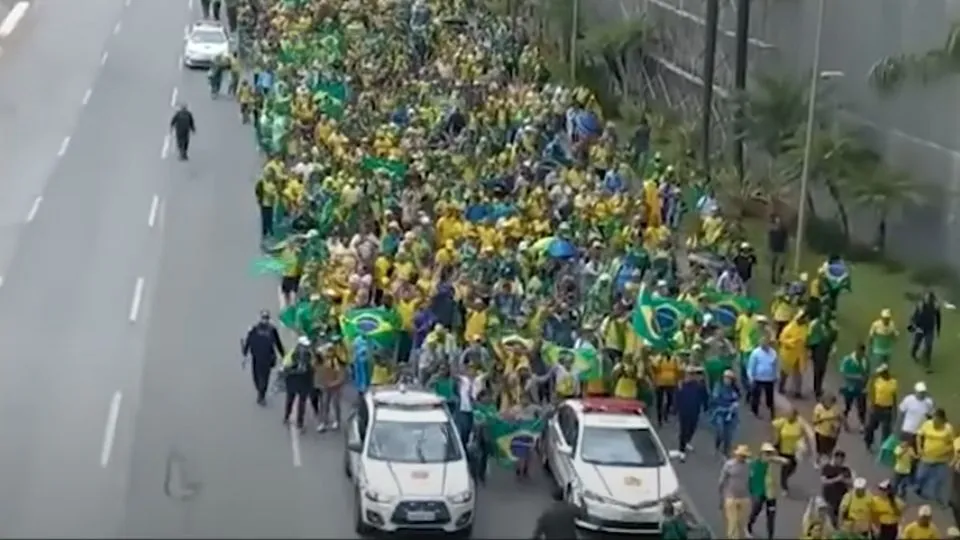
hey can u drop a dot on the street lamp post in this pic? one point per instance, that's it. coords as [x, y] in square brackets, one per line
[574, 31]
[808, 137]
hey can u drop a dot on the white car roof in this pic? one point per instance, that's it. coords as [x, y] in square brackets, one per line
[403, 397]
[610, 413]
[386, 414]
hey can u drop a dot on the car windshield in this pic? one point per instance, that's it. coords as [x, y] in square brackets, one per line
[207, 37]
[621, 447]
[413, 442]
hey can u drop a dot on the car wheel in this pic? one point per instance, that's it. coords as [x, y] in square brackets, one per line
[361, 528]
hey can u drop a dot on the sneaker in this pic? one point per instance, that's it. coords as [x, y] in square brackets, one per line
[322, 427]
[689, 448]
[335, 426]
[683, 456]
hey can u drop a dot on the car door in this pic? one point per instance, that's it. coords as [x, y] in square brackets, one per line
[560, 460]
[355, 438]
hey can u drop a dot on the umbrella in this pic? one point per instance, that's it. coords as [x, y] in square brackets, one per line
[561, 249]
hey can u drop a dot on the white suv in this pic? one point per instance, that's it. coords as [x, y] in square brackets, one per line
[609, 461]
[404, 455]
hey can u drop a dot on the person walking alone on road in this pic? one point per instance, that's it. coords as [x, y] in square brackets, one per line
[692, 399]
[183, 126]
[925, 327]
[262, 344]
[735, 493]
[298, 370]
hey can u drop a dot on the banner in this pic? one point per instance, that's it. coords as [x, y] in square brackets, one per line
[378, 325]
[513, 439]
[586, 361]
[726, 307]
[392, 168]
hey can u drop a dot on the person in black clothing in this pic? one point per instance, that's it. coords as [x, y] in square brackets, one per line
[836, 479]
[777, 238]
[183, 126]
[262, 344]
[559, 522]
[925, 326]
[743, 262]
[298, 376]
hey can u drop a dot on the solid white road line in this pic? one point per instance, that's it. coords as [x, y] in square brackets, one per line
[13, 18]
[137, 298]
[87, 95]
[116, 28]
[154, 205]
[1, 281]
[103, 58]
[34, 209]
[295, 444]
[180, 63]
[166, 147]
[173, 97]
[110, 432]
[63, 146]
[190, 5]
[126, 2]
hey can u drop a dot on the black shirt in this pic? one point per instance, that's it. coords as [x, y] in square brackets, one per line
[557, 522]
[833, 493]
[263, 344]
[743, 263]
[777, 238]
[182, 123]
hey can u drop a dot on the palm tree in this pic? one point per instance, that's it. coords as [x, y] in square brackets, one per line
[774, 109]
[889, 74]
[835, 158]
[886, 192]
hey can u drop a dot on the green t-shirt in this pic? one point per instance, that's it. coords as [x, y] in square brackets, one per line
[855, 373]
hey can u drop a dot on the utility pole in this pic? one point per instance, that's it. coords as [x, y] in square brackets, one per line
[574, 32]
[709, 68]
[740, 83]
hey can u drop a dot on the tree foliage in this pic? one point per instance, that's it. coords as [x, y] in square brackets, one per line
[891, 73]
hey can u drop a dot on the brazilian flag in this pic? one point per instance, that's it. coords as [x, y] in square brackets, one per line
[657, 318]
[513, 439]
[836, 276]
[380, 326]
[391, 167]
[726, 307]
[586, 360]
[332, 98]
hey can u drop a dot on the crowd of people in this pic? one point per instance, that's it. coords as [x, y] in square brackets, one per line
[440, 213]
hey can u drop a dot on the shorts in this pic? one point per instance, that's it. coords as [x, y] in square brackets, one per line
[290, 285]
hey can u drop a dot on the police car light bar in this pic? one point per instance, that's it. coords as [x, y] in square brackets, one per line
[613, 406]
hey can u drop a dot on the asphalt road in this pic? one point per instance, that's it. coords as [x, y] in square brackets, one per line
[124, 411]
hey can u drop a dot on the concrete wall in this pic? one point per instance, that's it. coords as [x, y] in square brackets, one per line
[917, 130]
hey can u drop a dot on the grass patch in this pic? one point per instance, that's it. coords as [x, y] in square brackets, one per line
[879, 284]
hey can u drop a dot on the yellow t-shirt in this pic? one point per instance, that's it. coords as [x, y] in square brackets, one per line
[407, 309]
[789, 433]
[856, 509]
[916, 531]
[381, 375]
[826, 422]
[745, 327]
[936, 444]
[884, 392]
[903, 457]
[956, 453]
[666, 371]
[404, 269]
[476, 324]
[885, 511]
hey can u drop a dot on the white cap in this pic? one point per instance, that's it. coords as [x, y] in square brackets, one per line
[303, 340]
[860, 483]
[920, 387]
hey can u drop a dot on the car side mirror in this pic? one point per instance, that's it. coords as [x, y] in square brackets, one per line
[355, 447]
[564, 448]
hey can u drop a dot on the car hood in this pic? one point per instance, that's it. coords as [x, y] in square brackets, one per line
[200, 48]
[418, 480]
[629, 485]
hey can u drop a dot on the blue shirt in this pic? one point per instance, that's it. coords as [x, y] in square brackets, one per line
[361, 364]
[763, 365]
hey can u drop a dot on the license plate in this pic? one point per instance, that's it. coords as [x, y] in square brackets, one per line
[421, 516]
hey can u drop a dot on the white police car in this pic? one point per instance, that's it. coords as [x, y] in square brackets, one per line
[204, 42]
[608, 459]
[410, 470]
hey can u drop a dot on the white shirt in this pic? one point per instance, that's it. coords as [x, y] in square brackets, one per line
[466, 393]
[915, 411]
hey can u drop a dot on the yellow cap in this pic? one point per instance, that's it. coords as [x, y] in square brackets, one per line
[742, 451]
[768, 448]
